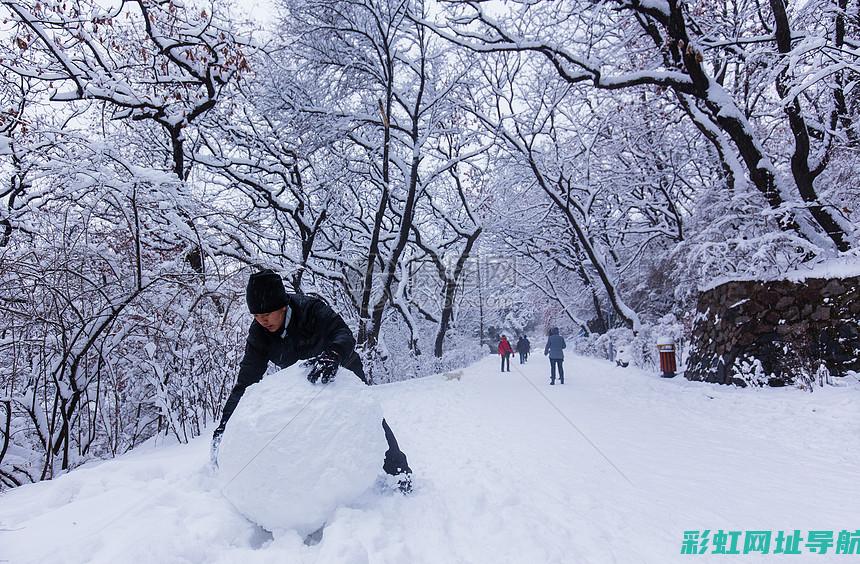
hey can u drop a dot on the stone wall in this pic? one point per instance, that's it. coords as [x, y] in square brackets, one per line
[773, 333]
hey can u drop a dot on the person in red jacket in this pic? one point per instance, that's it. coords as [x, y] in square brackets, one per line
[505, 351]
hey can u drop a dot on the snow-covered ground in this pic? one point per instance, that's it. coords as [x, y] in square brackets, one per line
[611, 467]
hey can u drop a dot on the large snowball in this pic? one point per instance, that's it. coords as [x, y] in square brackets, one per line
[293, 452]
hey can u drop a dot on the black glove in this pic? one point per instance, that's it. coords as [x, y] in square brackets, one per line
[323, 368]
[216, 442]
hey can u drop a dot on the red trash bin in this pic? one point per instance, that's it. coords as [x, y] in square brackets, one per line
[667, 359]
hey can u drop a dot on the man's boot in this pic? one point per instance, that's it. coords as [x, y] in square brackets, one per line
[396, 465]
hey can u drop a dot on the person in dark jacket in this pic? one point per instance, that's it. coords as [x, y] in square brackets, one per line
[523, 347]
[505, 351]
[288, 328]
[555, 350]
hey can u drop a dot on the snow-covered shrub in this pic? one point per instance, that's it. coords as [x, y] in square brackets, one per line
[750, 371]
[111, 335]
[394, 360]
[624, 347]
[94, 364]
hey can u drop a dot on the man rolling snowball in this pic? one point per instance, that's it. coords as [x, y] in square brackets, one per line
[288, 328]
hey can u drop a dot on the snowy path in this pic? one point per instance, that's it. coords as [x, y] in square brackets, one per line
[611, 467]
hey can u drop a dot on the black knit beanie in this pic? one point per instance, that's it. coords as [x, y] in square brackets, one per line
[265, 292]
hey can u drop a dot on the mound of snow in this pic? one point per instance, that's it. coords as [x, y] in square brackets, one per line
[294, 452]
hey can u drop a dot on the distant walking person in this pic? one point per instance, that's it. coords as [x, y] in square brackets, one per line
[505, 351]
[555, 349]
[523, 347]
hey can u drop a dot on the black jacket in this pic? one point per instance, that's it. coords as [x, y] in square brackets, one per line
[523, 345]
[312, 329]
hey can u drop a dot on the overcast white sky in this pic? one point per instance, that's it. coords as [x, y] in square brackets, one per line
[261, 11]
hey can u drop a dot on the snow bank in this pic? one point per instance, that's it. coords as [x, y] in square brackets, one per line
[834, 268]
[843, 267]
[294, 452]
